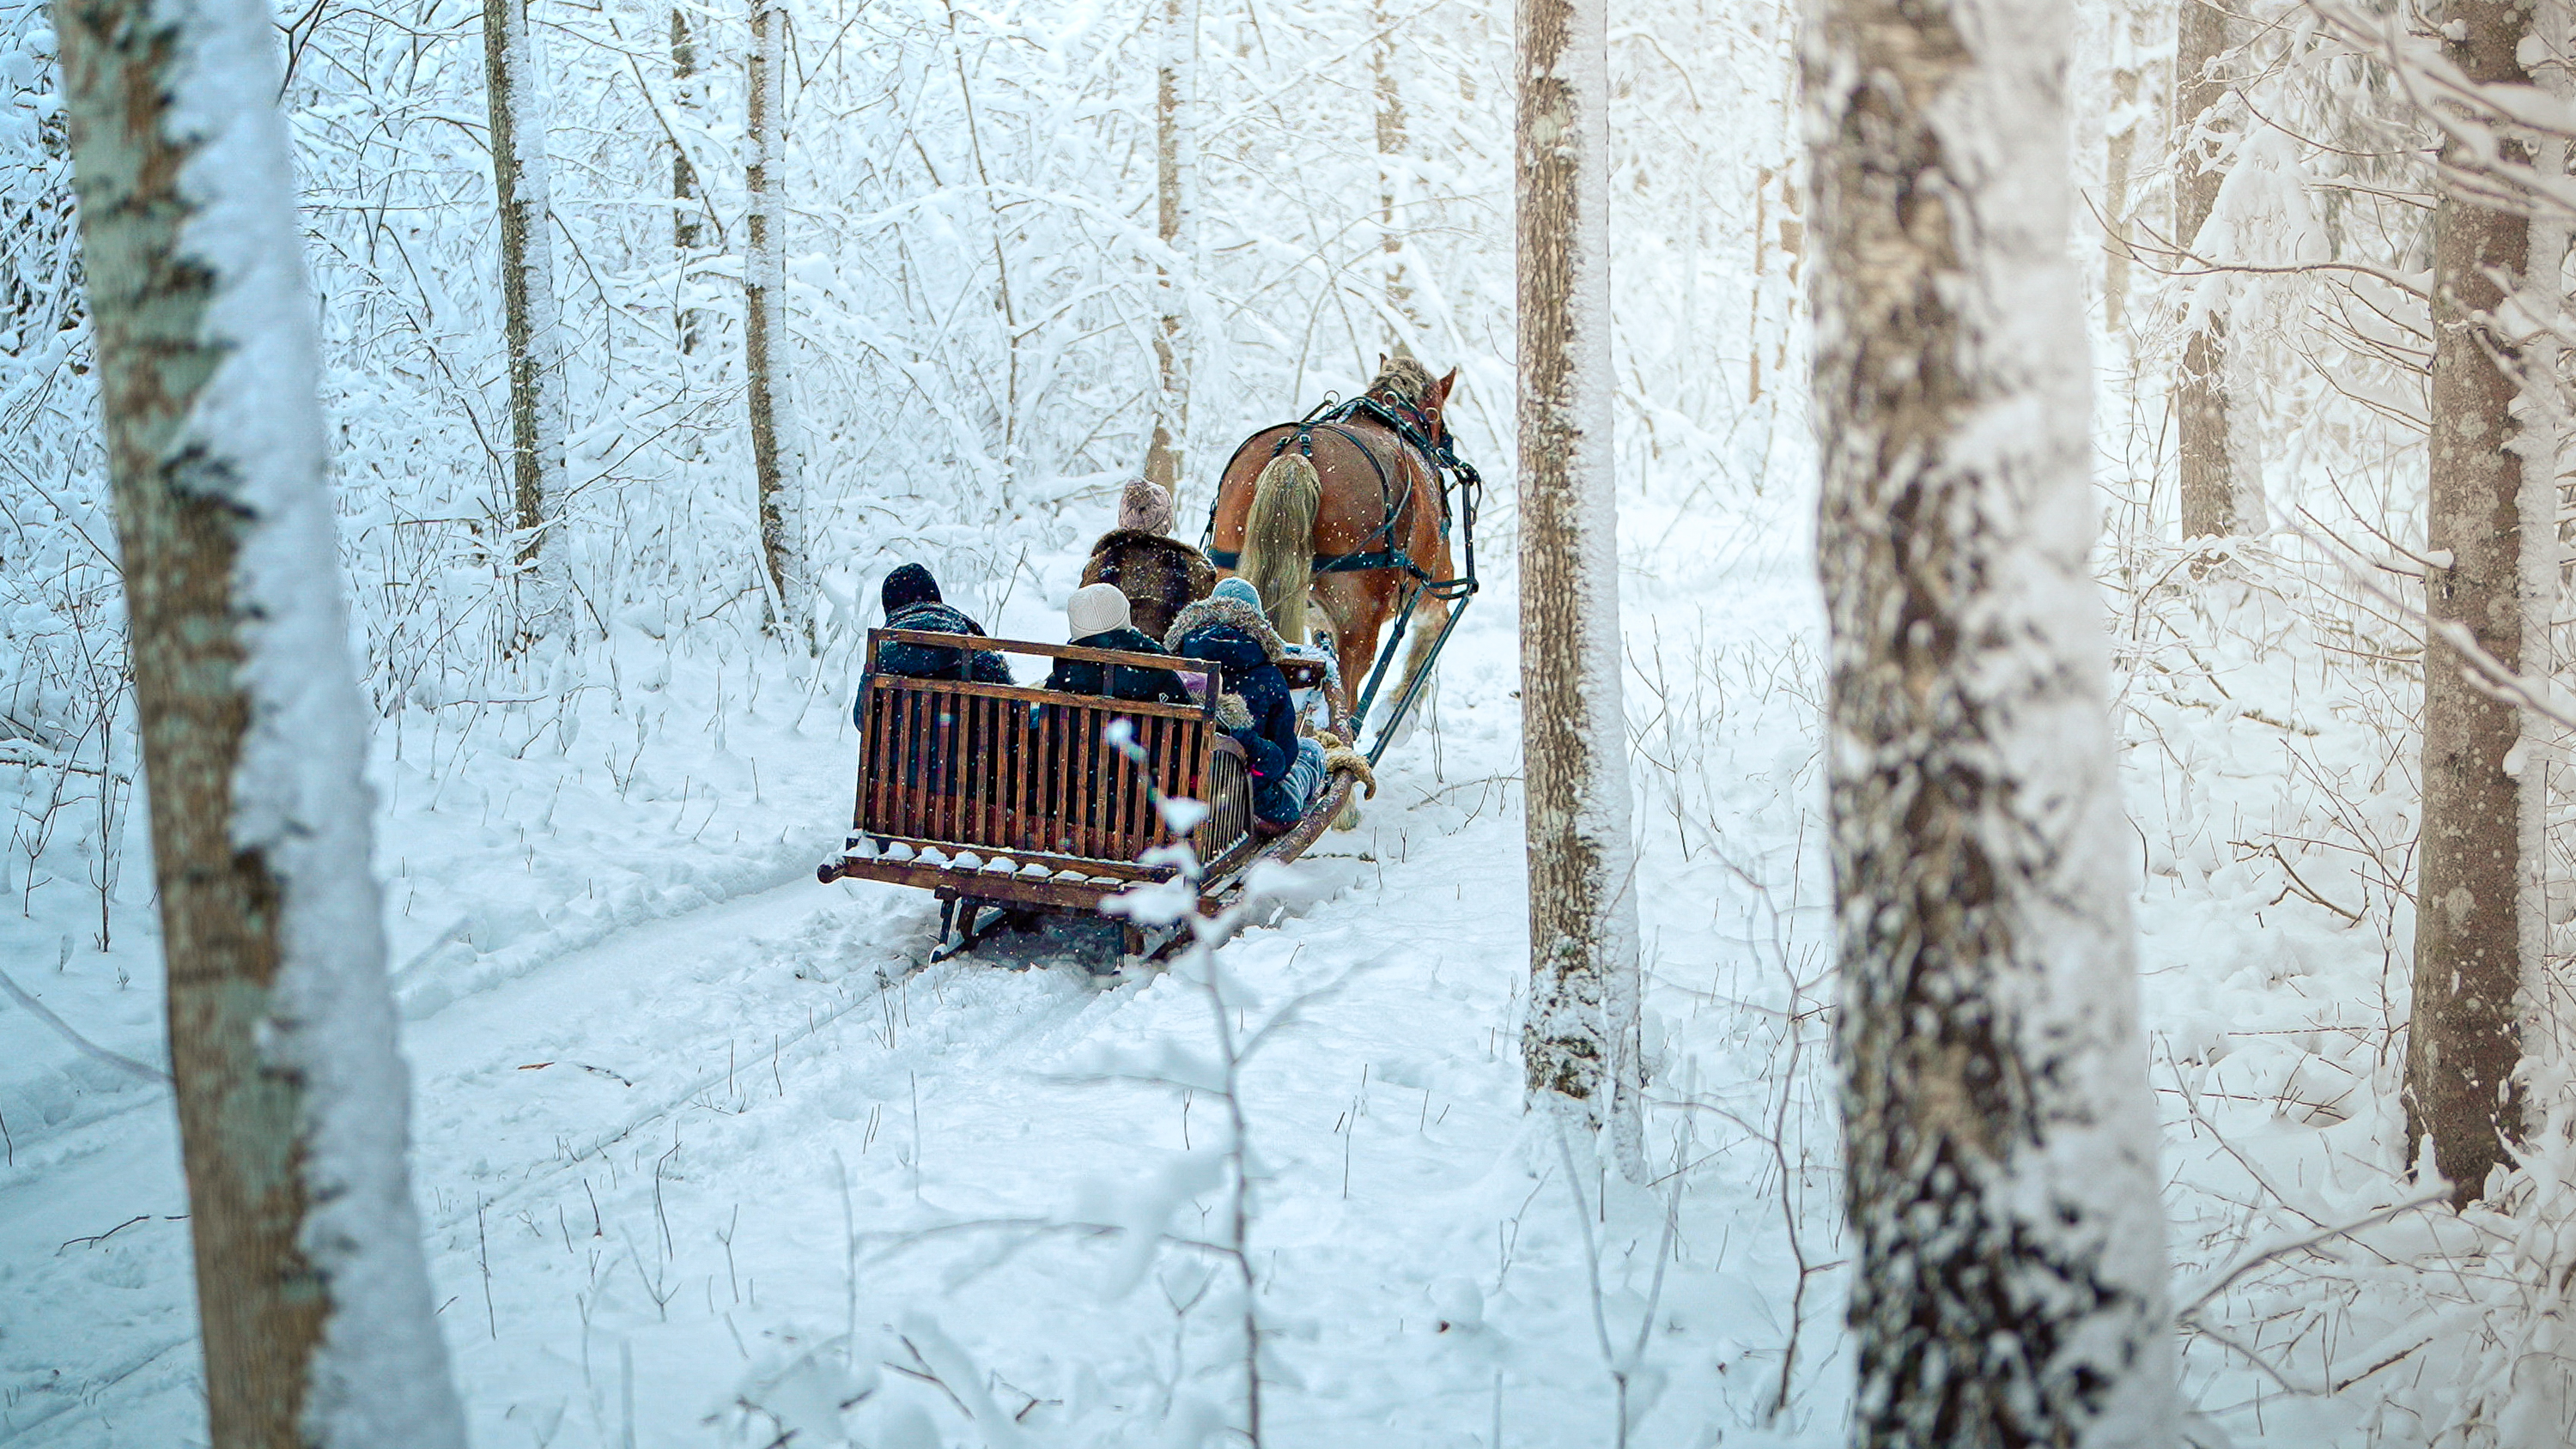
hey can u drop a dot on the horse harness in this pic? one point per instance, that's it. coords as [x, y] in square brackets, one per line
[1415, 431]
[1412, 429]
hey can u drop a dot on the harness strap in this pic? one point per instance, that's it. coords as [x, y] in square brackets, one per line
[1356, 563]
[1340, 563]
[1412, 430]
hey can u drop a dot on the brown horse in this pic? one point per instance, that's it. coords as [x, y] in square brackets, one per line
[1329, 524]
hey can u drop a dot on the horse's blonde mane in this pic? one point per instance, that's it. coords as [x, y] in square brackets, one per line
[1404, 378]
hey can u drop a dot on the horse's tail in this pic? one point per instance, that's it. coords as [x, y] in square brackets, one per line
[1279, 540]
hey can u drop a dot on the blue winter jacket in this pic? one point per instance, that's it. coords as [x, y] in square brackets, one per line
[1237, 639]
[934, 719]
[931, 661]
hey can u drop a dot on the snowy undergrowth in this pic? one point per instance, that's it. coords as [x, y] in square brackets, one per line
[2270, 754]
[688, 1168]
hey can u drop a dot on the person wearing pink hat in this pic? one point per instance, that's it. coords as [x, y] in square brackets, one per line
[1159, 574]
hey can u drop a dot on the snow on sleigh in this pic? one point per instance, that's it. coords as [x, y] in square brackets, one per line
[1014, 804]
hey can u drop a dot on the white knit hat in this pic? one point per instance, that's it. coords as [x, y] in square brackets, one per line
[1096, 609]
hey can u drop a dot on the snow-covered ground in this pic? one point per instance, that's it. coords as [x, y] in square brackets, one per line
[694, 1173]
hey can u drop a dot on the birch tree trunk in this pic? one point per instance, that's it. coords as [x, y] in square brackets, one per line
[2464, 1045]
[1171, 213]
[1753, 307]
[292, 1097]
[516, 96]
[2119, 152]
[2200, 388]
[1999, 1148]
[1579, 1042]
[2133, 114]
[684, 177]
[776, 462]
[1390, 167]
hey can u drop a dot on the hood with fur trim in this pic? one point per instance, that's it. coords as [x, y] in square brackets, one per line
[1157, 574]
[1227, 613]
[1133, 537]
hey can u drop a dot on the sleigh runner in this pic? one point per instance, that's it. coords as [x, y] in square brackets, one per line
[1014, 801]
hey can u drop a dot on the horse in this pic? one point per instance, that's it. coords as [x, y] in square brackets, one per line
[1333, 509]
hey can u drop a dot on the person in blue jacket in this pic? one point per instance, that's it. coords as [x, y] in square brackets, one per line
[943, 742]
[1229, 630]
[911, 599]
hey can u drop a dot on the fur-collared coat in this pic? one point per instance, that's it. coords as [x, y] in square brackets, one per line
[1253, 701]
[1158, 575]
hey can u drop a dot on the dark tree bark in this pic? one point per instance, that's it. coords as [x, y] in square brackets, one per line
[2009, 1286]
[516, 104]
[685, 223]
[2464, 1043]
[2204, 444]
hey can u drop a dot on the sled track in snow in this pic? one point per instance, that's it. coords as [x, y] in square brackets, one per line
[116, 1382]
[107, 1107]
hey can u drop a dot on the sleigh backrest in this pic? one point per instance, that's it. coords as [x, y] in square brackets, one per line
[1030, 774]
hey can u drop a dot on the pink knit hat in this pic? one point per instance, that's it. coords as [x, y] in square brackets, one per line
[1145, 507]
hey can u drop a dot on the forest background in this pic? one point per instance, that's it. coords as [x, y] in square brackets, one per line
[976, 260]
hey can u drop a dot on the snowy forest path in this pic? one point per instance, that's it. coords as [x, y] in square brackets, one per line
[555, 1072]
[663, 1168]
[478, 1091]
[598, 1023]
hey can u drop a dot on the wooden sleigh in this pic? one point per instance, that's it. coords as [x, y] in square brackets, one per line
[1012, 801]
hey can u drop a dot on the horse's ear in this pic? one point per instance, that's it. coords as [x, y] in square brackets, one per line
[1381, 364]
[1440, 389]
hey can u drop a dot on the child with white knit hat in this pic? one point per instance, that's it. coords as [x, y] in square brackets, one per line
[1097, 618]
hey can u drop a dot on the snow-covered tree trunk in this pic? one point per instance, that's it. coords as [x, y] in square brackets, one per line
[684, 177]
[2000, 1148]
[1579, 1043]
[1390, 167]
[777, 464]
[1177, 40]
[2133, 115]
[2548, 1035]
[292, 1096]
[2202, 439]
[515, 91]
[2539, 1389]
[2464, 1041]
[1753, 302]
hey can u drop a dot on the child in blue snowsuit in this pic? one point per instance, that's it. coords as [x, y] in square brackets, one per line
[1229, 630]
